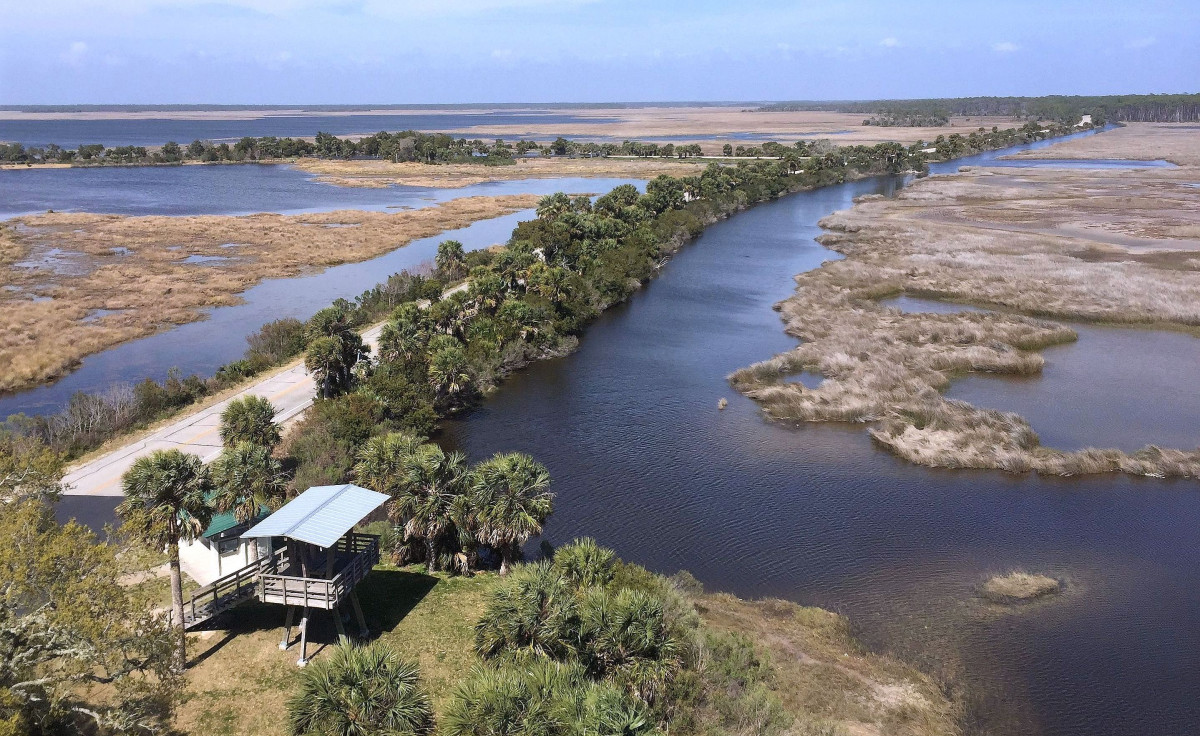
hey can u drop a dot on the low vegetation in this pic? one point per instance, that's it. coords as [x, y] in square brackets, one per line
[599, 642]
[1018, 586]
[1075, 245]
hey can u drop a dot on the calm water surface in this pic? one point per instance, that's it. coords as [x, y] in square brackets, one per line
[230, 190]
[644, 462]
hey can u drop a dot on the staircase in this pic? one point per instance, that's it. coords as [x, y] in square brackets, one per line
[225, 592]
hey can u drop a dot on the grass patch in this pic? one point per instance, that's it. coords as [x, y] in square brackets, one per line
[239, 680]
[826, 679]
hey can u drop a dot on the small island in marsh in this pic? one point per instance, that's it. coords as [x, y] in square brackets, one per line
[1019, 586]
[1072, 244]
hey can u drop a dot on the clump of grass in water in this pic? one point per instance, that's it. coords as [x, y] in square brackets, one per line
[1019, 586]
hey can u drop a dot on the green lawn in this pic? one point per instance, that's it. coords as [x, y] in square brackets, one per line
[239, 680]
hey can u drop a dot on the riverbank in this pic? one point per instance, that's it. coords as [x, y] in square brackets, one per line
[1077, 245]
[824, 679]
[76, 284]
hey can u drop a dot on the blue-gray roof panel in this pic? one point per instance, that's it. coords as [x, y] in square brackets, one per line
[321, 515]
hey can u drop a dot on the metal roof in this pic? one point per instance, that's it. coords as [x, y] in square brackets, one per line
[320, 515]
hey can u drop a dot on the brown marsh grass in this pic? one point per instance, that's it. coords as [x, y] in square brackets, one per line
[365, 173]
[827, 679]
[1073, 245]
[132, 267]
[1017, 586]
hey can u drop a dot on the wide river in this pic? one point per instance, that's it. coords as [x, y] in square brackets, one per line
[643, 461]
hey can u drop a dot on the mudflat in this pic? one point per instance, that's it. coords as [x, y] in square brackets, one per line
[76, 284]
[1087, 245]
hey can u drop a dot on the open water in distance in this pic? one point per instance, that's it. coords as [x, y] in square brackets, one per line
[114, 132]
[643, 461]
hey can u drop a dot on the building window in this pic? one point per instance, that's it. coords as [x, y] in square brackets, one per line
[225, 546]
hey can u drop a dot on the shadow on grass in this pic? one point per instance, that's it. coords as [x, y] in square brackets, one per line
[386, 596]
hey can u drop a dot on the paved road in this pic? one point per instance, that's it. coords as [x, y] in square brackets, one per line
[291, 391]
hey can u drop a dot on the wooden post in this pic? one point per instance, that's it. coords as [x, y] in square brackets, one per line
[303, 661]
[329, 563]
[363, 632]
[287, 628]
[341, 630]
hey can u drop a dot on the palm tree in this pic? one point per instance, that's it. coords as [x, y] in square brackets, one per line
[425, 496]
[360, 691]
[325, 360]
[383, 466]
[449, 372]
[248, 480]
[584, 564]
[534, 612]
[166, 500]
[249, 419]
[512, 503]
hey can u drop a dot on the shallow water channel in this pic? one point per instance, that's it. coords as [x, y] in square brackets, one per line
[644, 462]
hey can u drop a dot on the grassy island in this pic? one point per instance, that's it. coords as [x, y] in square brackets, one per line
[1018, 586]
[1034, 244]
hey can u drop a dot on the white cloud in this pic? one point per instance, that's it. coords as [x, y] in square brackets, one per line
[1004, 47]
[75, 53]
[890, 42]
[1141, 43]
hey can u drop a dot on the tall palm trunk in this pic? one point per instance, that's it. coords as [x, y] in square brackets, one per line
[177, 605]
[431, 562]
[508, 557]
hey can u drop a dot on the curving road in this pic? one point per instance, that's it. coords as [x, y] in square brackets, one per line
[291, 391]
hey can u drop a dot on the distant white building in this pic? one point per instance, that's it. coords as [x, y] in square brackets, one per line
[1085, 120]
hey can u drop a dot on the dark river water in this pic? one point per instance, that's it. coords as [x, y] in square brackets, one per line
[157, 131]
[643, 461]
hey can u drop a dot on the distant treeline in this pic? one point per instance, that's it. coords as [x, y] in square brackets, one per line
[406, 145]
[1166, 108]
[909, 120]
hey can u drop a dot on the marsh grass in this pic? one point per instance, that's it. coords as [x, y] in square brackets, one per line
[826, 679]
[148, 289]
[953, 238]
[378, 174]
[1018, 586]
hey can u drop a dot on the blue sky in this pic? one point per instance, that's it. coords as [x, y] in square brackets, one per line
[414, 51]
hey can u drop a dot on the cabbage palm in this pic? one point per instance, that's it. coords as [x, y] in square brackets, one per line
[166, 500]
[512, 503]
[425, 495]
[248, 479]
[249, 419]
[534, 612]
[360, 691]
[542, 699]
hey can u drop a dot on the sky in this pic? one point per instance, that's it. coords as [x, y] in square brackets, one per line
[461, 51]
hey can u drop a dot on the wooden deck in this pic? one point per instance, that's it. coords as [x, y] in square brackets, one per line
[354, 555]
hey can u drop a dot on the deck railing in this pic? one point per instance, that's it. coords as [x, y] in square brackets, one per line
[227, 591]
[316, 593]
